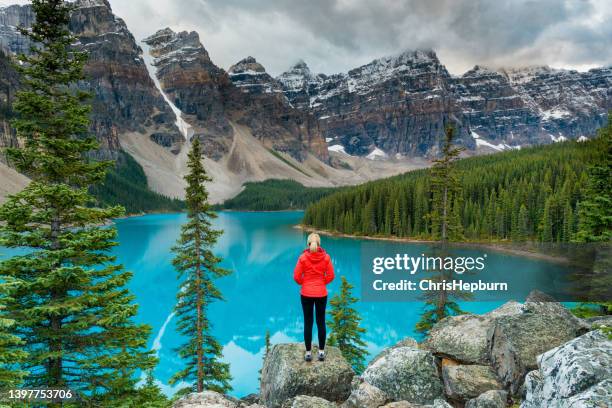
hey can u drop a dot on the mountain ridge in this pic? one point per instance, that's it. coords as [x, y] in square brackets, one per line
[376, 120]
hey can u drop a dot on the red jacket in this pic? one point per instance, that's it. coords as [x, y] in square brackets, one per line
[313, 271]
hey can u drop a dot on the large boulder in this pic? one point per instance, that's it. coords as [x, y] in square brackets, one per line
[463, 338]
[489, 399]
[206, 399]
[406, 342]
[307, 401]
[518, 338]
[576, 374]
[285, 375]
[463, 382]
[366, 396]
[406, 373]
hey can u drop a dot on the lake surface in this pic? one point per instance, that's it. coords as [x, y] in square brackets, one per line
[261, 249]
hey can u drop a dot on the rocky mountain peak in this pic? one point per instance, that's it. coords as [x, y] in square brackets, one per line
[480, 70]
[297, 77]
[168, 46]
[412, 63]
[92, 3]
[248, 64]
[522, 75]
[251, 77]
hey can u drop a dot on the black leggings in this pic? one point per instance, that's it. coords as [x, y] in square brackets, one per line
[318, 303]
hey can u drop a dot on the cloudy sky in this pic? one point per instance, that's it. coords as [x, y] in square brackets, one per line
[337, 35]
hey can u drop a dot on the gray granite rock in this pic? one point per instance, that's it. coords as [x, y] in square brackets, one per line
[366, 396]
[406, 373]
[307, 401]
[489, 399]
[285, 375]
[206, 399]
[575, 374]
[464, 382]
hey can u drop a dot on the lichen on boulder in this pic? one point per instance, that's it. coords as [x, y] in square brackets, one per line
[406, 373]
[463, 382]
[576, 374]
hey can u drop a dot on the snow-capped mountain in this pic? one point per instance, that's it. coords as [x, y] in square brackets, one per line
[400, 104]
[150, 98]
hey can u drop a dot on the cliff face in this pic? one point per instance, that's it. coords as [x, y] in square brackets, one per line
[9, 84]
[569, 103]
[195, 85]
[212, 98]
[400, 104]
[124, 97]
[12, 17]
[259, 103]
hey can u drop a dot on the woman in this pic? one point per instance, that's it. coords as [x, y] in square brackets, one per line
[314, 270]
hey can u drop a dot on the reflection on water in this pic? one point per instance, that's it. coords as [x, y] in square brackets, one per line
[261, 249]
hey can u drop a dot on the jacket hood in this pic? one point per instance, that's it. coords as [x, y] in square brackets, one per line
[315, 256]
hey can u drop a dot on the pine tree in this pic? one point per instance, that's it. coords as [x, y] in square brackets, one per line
[523, 223]
[397, 222]
[197, 268]
[546, 228]
[148, 395]
[10, 355]
[267, 343]
[346, 334]
[67, 298]
[595, 211]
[445, 189]
[440, 303]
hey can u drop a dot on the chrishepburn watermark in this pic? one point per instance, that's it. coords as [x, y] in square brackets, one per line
[427, 285]
[411, 271]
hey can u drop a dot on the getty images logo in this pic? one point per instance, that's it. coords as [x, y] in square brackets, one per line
[414, 264]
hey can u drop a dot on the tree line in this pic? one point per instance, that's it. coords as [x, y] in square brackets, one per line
[275, 195]
[531, 194]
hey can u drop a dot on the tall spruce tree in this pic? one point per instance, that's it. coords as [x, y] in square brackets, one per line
[595, 211]
[346, 334]
[66, 296]
[197, 268]
[443, 302]
[446, 225]
[445, 190]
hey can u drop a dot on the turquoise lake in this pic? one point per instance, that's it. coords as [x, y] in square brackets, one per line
[261, 249]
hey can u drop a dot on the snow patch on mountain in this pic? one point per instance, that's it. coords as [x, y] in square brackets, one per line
[377, 154]
[480, 142]
[338, 149]
[184, 127]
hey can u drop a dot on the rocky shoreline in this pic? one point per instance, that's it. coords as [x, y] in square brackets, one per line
[536, 354]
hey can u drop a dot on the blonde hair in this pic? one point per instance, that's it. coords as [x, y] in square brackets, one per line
[314, 242]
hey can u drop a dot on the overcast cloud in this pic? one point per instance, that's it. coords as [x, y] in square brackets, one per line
[337, 35]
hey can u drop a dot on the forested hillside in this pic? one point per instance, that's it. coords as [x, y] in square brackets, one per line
[529, 194]
[275, 195]
[126, 185]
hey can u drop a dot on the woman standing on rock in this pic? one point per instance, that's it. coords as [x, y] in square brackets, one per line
[314, 270]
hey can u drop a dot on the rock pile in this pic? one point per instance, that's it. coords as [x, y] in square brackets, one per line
[468, 361]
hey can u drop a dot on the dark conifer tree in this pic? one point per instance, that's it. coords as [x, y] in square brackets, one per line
[595, 210]
[445, 189]
[346, 334]
[198, 268]
[66, 297]
[10, 355]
